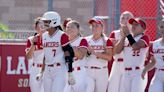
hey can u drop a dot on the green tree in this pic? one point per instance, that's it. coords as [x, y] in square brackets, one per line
[4, 34]
[3, 27]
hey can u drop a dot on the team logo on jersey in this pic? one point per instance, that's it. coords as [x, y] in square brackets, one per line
[158, 50]
[51, 44]
[98, 47]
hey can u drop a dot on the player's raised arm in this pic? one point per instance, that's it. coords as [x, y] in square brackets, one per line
[138, 27]
[119, 45]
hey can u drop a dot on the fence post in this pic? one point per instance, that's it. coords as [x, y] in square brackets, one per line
[50, 5]
[117, 12]
[94, 7]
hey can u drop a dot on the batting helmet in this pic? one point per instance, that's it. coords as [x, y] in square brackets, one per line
[54, 17]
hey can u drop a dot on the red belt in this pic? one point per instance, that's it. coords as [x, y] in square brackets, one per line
[120, 59]
[161, 69]
[94, 67]
[53, 65]
[76, 68]
[130, 68]
[37, 65]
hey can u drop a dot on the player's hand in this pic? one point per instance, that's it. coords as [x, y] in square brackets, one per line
[143, 74]
[76, 51]
[39, 76]
[91, 50]
[125, 30]
[71, 80]
[123, 35]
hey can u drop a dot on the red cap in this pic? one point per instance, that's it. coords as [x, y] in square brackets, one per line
[96, 20]
[139, 21]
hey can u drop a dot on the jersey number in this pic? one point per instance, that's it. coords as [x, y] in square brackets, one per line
[136, 53]
[54, 51]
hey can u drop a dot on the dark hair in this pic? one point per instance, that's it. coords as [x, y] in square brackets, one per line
[59, 27]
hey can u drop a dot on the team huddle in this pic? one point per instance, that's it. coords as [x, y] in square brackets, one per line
[65, 61]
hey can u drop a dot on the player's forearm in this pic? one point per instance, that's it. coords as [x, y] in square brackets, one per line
[119, 46]
[104, 56]
[43, 67]
[151, 65]
[136, 46]
[81, 53]
[30, 52]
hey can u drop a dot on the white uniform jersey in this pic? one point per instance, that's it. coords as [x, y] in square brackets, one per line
[98, 46]
[158, 52]
[38, 53]
[115, 36]
[79, 42]
[135, 58]
[52, 46]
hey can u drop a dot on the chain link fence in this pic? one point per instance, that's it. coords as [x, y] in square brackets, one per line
[80, 10]
[146, 9]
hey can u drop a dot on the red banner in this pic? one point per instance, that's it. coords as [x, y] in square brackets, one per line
[14, 68]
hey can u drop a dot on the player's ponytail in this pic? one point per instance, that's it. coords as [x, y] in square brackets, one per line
[59, 28]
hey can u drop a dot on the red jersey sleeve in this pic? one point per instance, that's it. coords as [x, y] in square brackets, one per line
[84, 43]
[64, 39]
[28, 45]
[109, 44]
[112, 35]
[145, 38]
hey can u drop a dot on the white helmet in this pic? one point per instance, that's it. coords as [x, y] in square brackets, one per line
[54, 17]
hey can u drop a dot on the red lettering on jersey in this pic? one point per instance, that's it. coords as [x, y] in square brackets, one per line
[98, 47]
[51, 44]
[158, 50]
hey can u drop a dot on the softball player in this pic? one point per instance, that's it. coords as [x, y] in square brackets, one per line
[117, 67]
[135, 49]
[100, 48]
[57, 53]
[80, 46]
[157, 83]
[34, 52]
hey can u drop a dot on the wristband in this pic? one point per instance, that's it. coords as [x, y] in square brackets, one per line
[131, 39]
